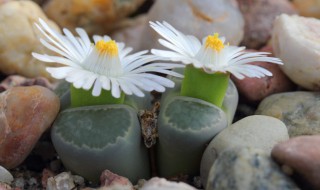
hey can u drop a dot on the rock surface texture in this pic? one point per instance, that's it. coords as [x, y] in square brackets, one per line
[247, 168]
[295, 41]
[257, 131]
[25, 113]
[302, 154]
[298, 110]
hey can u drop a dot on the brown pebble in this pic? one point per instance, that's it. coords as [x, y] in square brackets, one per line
[25, 113]
[256, 89]
[302, 154]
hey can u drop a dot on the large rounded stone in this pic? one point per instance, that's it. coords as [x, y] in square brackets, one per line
[95, 16]
[25, 113]
[295, 41]
[19, 37]
[298, 110]
[249, 169]
[257, 131]
[297, 154]
[259, 17]
[198, 18]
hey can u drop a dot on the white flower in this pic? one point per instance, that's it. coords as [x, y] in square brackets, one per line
[212, 55]
[102, 65]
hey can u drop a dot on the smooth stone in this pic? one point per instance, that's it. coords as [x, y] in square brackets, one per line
[111, 181]
[247, 168]
[302, 154]
[61, 181]
[19, 37]
[298, 110]
[25, 113]
[157, 183]
[259, 17]
[5, 176]
[131, 32]
[254, 90]
[296, 41]
[257, 131]
[197, 18]
[96, 17]
[308, 8]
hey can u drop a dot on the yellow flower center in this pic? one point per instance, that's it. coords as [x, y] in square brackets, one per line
[109, 47]
[214, 42]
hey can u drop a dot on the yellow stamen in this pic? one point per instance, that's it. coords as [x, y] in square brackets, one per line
[109, 47]
[214, 42]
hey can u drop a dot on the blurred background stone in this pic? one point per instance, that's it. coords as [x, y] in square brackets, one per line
[19, 37]
[259, 16]
[198, 18]
[309, 8]
[95, 16]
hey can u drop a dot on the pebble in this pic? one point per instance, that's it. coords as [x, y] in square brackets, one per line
[296, 41]
[249, 169]
[300, 111]
[61, 181]
[25, 113]
[111, 181]
[46, 174]
[19, 37]
[259, 17]
[157, 183]
[253, 90]
[197, 18]
[302, 154]
[309, 8]
[131, 32]
[5, 176]
[257, 131]
[96, 17]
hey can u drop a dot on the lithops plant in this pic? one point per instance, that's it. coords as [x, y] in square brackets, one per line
[99, 132]
[189, 121]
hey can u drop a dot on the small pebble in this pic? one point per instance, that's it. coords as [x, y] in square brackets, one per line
[302, 154]
[111, 181]
[61, 181]
[5, 176]
[156, 183]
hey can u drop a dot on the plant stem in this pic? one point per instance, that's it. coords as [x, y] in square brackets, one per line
[81, 97]
[208, 87]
